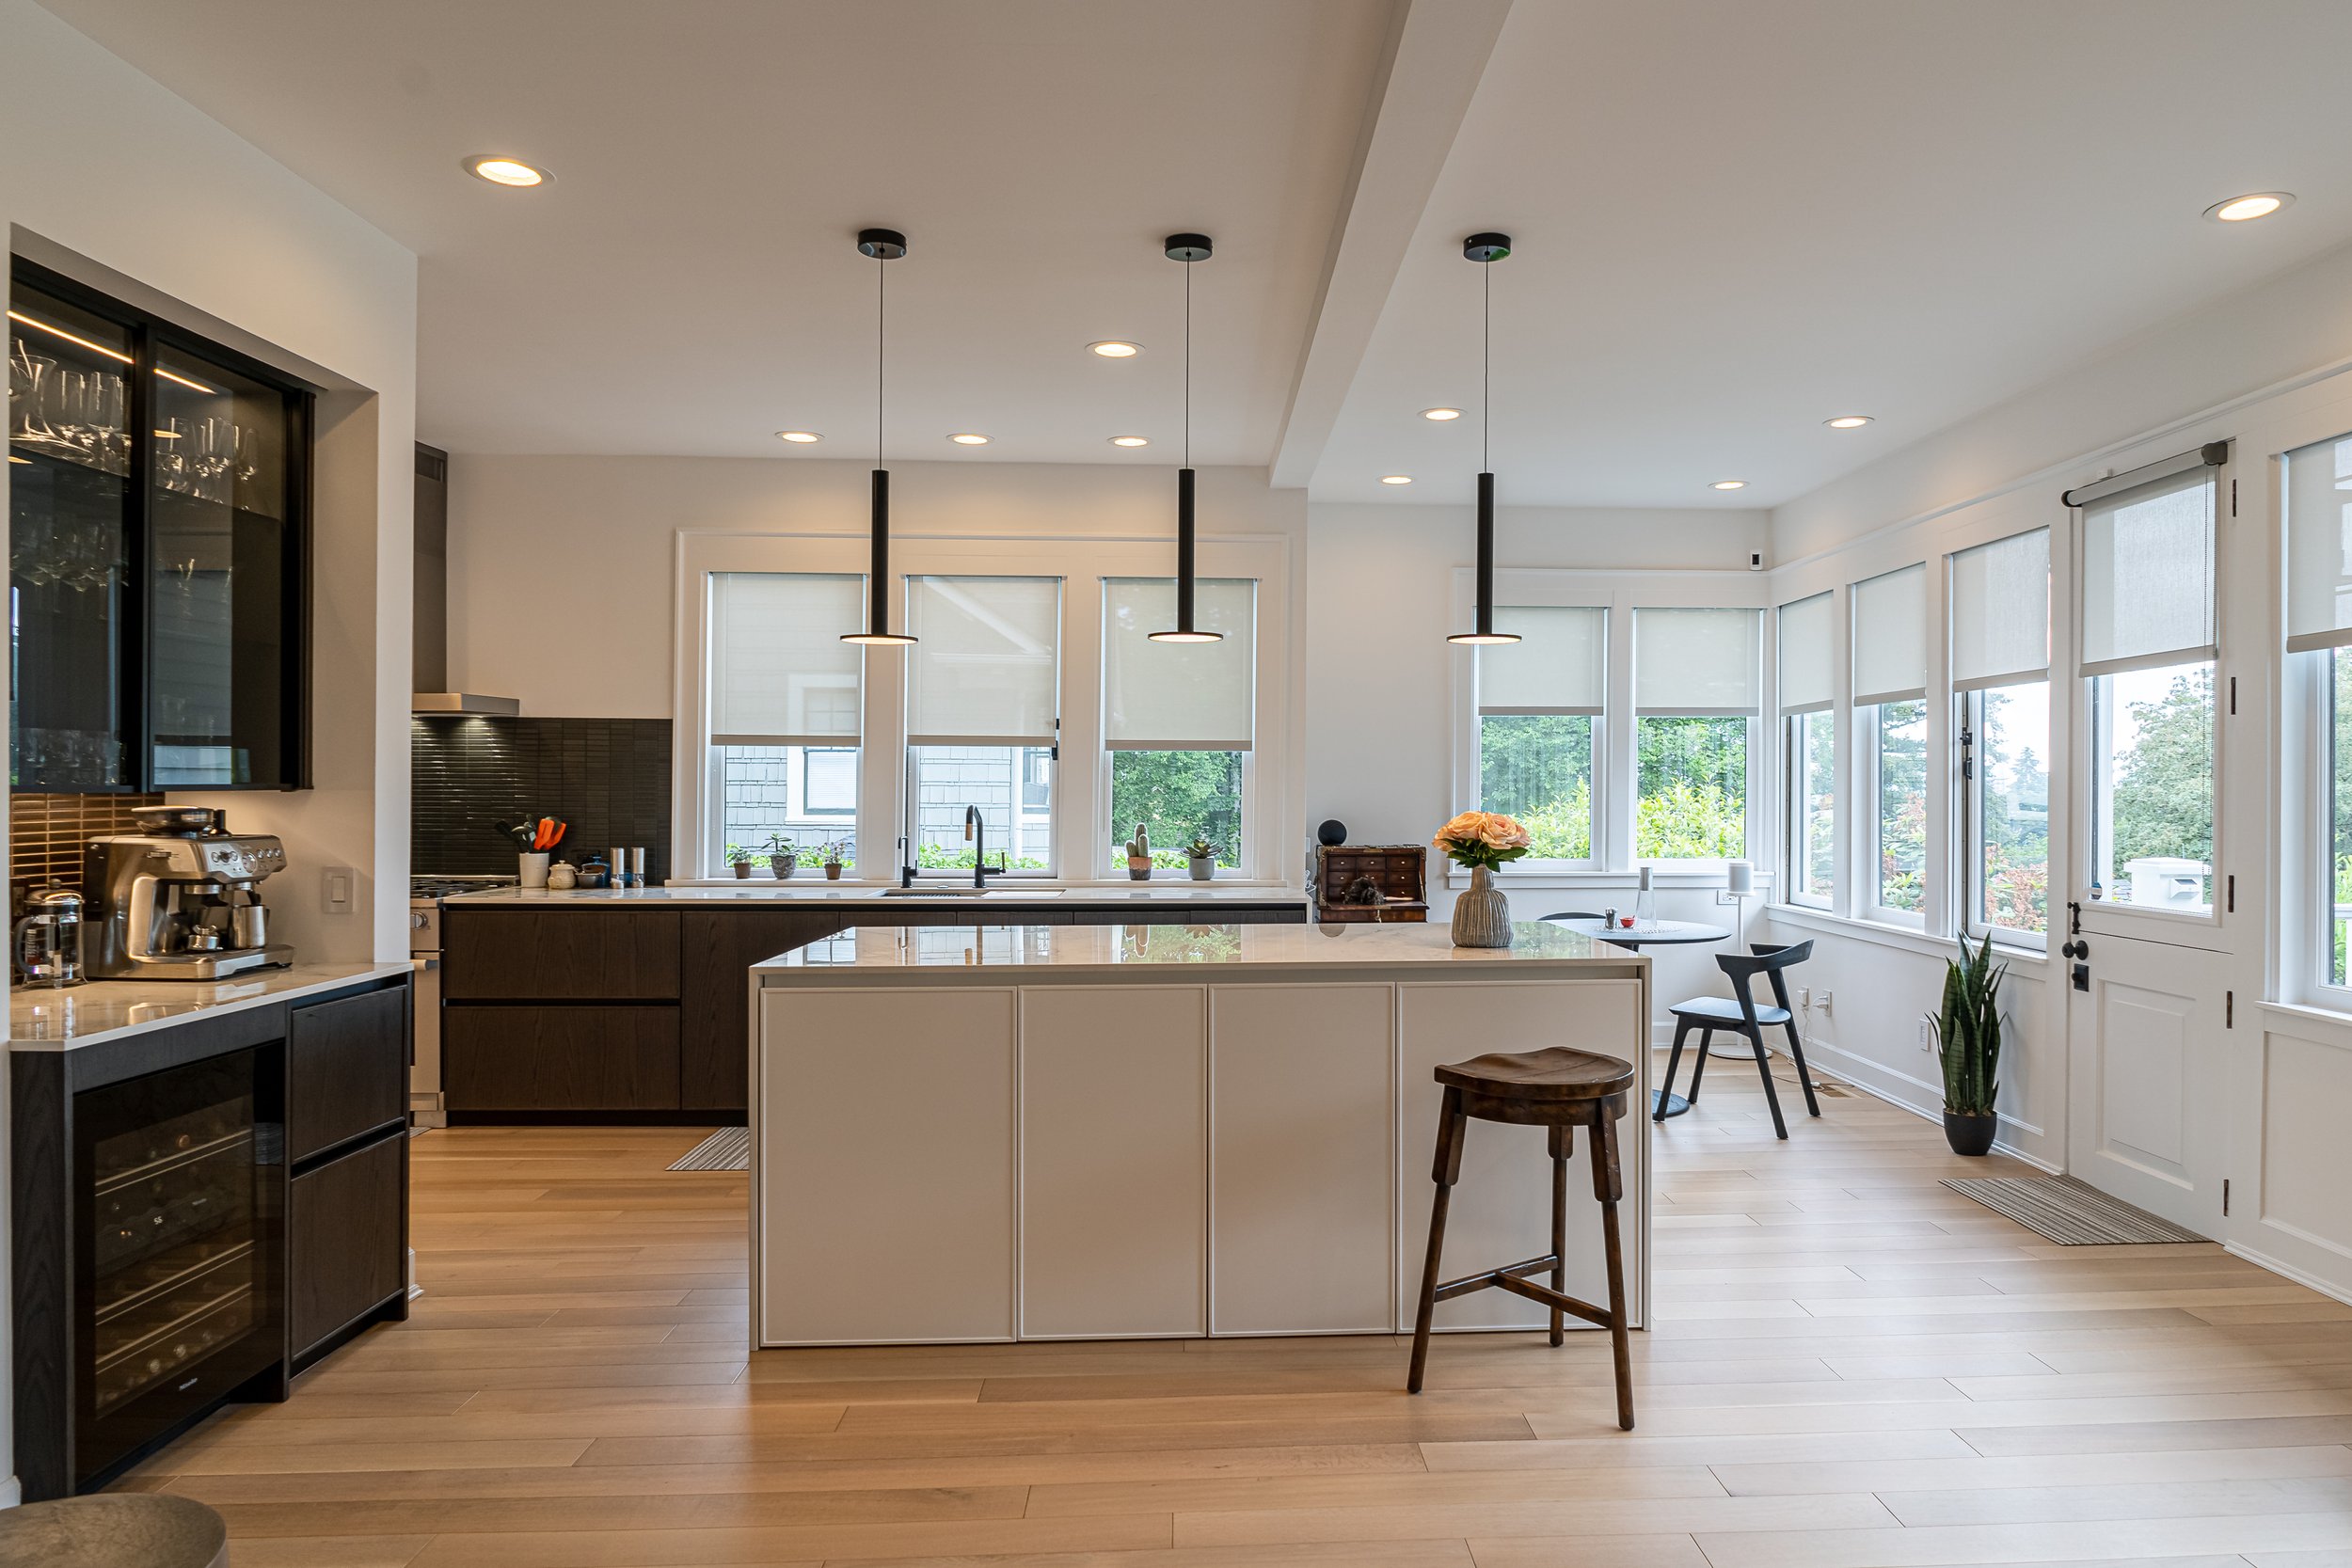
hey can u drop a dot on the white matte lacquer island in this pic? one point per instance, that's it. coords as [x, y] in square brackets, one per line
[1085, 1132]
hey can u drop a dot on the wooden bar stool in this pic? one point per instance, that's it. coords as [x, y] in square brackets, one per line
[1560, 1089]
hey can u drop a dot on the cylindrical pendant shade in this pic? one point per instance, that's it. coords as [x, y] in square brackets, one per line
[878, 579]
[1483, 623]
[1186, 569]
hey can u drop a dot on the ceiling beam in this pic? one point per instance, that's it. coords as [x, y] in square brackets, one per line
[1437, 49]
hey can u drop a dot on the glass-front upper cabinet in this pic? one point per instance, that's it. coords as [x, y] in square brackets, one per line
[158, 508]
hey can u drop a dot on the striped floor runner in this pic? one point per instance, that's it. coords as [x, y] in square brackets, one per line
[728, 1149]
[2069, 1212]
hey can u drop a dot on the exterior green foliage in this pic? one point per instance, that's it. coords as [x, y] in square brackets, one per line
[1968, 1031]
[1903, 805]
[2340, 812]
[1690, 789]
[2014, 802]
[1179, 797]
[2163, 801]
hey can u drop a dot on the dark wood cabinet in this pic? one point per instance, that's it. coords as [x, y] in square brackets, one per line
[346, 1071]
[595, 955]
[714, 1004]
[528, 1059]
[347, 1240]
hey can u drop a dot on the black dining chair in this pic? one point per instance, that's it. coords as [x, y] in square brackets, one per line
[1740, 1015]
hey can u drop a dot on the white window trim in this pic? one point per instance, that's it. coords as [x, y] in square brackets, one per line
[1868, 821]
[1613, 756]
[1272, 808]
[1794, 804]
[1967, 827]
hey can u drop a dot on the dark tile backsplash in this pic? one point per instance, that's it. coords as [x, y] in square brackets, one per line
[609, 778]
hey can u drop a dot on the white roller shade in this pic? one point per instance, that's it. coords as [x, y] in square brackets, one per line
[2319, 545]
[1179, 696]
[1890, 637]
[1808, 683]
[2001, 612]
[1696, 662]
[779, 674]
[986, 671]
[2148, 576]
[1559, 665]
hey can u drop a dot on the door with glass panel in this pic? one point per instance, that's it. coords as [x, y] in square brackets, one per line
[2145, 936]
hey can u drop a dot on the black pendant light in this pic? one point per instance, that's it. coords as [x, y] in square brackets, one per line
[885, 245]
[1186, 248]
[1486, 249]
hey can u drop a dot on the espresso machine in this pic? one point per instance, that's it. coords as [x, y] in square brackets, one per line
[182, 900]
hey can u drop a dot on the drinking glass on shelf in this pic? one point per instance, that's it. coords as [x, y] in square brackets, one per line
[171, 463]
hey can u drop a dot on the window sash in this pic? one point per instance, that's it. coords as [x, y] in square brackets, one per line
[1696, 663]
[1560, 665]
[773, 642]
[1807, 674]
[1890, 643]
[986, 670]
[1175, 696]
[2001, 600]
[2319, 545]
[2148, 598]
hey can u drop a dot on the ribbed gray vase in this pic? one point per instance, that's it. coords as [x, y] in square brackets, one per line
[1482, 915]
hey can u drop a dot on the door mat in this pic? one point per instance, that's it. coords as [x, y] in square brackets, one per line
[2069, 1212]
[728, 1149]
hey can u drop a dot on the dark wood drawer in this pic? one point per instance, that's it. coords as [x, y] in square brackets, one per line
[346, 1070]
[714, 1011]
[559, 955]
[560, 1058]
[346, 1241]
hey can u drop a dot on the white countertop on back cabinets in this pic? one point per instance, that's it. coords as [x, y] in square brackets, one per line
[66, 1019]
[1147, 953]
[866, 896]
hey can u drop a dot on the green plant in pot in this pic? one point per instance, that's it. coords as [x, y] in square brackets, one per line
[740, 859]
[1139, 855]
[834, 851]
[1200, 859]
[1968, 1043]
[784, 856]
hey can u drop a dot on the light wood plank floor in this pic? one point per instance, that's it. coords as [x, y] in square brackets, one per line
[1853, 1368]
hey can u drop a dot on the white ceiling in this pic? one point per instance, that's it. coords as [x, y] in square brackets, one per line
[1733, 219]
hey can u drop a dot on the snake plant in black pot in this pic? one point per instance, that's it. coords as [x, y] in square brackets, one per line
[1968, 1042]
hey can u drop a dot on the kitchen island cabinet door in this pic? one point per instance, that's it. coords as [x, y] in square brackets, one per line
[885, 1119]
[1113, 1161]
[1302, 1179]
[1501, 1210]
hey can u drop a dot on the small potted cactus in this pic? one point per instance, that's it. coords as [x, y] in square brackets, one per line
[784, 857]
[740, 859]
[1139, 855]
[1200, 857]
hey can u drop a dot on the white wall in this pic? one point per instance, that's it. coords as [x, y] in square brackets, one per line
[143, 194]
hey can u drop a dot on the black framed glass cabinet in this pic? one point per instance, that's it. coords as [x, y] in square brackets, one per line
[159, 524]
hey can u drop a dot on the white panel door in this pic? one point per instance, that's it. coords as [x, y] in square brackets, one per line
[886, 1133]
[1302, 1136]
[1501, 1208]
[2149, 1097]
[1114, 1160]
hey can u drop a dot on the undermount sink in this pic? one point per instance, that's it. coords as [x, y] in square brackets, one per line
[971, 893]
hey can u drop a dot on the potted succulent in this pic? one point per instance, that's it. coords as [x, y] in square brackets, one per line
[740, 859]
[834, 851]
[1201, 856]
[1968, 1043]
[1139, 855]
[1482, 840]
[784, 857]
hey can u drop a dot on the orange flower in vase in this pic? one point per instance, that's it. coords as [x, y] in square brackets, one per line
[1483, 839]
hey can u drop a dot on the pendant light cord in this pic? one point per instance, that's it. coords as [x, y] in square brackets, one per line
[1188, 364]
[881, 274]
[1487, 373]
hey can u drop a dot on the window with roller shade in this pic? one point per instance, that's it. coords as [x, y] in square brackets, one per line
[1890, 690]
[1697, 691]
[983, 719]
[2149, 647]
[1539, 706]
[785, 711]
[1178, 720]
[2000, 664]
[2319, 635]
[1806, 698]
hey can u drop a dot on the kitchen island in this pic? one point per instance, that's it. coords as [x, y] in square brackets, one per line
[1038, 1131]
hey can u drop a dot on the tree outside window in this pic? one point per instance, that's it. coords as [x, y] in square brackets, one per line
[1538, 768]
[1691, 797]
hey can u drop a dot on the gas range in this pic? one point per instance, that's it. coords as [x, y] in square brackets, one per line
[426, 1107]
[427, 889]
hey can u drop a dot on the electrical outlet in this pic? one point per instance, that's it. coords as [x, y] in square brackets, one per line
[338, 889]
[1927, 1037]
[1821, 999]
[1804, 999]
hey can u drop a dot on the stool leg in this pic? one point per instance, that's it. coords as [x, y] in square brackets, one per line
[1563, 1145]
[1764, 1066]
[1608, 1186]
[1674, 1060]
[1805, 1074]
[1445, 1170]
[1699, 1063]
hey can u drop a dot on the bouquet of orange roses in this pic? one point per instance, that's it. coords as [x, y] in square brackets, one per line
[1482, 838]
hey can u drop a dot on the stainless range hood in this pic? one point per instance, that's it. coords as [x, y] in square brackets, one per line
[431, 627]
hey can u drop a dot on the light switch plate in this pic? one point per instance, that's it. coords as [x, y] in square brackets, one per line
[339, 888]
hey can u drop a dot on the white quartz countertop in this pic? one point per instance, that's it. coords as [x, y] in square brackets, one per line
[67, 1020]
[865, 896]
[1056, 952]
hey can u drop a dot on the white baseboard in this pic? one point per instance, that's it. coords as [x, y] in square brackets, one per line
[2333, 1289]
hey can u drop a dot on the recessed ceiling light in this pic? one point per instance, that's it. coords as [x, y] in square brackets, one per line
[1396, 479]
[1442, 414]
[1131, 441]
[506, 171]
[1848, 421]
[1729, 484]
[797, 437]
[2239, 209]
[1116, 350]
[967, 439]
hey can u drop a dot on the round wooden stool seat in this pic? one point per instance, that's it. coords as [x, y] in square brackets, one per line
[1554, 1074]
[144, 1529]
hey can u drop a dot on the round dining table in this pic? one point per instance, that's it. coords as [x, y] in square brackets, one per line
[1657, 933]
